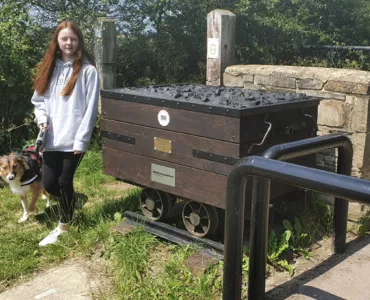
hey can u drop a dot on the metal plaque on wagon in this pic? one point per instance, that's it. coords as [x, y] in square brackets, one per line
[164, 175]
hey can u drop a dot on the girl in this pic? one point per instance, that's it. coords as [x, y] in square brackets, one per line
[66, 105]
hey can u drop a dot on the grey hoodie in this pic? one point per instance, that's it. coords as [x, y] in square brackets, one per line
[71, 118]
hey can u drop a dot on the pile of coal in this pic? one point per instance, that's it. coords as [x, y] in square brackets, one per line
[215, 95]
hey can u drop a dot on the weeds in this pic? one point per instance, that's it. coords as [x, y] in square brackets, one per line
[313, 223]
[297, 237]
[316, 220]
[276, 248]
[364, 225]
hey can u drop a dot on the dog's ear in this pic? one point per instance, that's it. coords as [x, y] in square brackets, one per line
[3, 160]
[3, 163]
[19, 159]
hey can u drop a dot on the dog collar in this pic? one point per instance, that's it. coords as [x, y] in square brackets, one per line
[29, 181]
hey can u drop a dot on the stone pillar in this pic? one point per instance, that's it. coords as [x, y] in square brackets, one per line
[221, 25]
[105, 52]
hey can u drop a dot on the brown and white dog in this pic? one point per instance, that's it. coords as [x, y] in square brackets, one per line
[22, 173]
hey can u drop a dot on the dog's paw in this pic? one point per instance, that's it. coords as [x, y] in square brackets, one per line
[23, 219]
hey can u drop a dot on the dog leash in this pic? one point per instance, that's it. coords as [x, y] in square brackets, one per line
[40, 142]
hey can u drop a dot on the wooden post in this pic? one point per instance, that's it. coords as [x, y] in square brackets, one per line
[221, 25]
[105, 52]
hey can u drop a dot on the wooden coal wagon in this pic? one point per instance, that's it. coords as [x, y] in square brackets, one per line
[181, 142]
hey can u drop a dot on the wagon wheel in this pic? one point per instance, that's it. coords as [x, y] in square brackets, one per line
[155, 205]
[200, 219]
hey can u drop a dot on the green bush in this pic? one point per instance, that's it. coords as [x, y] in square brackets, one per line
[15, 77]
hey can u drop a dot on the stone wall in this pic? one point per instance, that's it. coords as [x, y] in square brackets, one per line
[345, 107]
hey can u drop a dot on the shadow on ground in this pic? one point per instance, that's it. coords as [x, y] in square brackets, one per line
[296, 285]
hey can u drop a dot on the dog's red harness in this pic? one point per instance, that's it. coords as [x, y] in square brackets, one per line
[35, 163]
[31, 150]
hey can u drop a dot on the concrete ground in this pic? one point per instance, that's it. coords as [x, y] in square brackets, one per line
[72, 280]
[339, 277]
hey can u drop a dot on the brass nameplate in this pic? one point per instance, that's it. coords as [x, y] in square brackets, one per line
[162, 145]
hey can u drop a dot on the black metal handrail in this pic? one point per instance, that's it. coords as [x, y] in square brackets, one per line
[338, 185]
[311, 146]
[259, 229]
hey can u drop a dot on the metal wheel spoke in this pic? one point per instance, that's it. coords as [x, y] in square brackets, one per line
[159, 210]
[205, 222]
[192, 209]
[155, 213]
[203, 214]
[205, 228]
[147, 196]
[191, 228]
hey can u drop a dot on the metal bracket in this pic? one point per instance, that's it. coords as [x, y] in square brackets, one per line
[290, 129]
[264, 138]
[311, 131]
[215, 157]
[118, 137]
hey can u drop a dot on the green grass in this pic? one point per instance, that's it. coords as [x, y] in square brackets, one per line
[174, 280]
[130, 258]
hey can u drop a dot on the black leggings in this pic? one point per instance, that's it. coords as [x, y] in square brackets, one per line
[58, 170]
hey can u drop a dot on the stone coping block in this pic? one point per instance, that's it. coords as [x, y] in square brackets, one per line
[330, 79]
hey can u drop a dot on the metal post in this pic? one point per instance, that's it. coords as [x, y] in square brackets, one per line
[260, 206]
[233, 241]
[259, 238]
[340, 217]
[341, 186]
[345, 154]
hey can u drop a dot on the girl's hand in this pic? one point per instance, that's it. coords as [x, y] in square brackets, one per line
[77, 152]
[44, 126]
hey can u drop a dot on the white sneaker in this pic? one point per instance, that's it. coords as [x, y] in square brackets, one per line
[52, 237]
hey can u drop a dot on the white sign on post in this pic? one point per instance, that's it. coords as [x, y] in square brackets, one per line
[213, 48]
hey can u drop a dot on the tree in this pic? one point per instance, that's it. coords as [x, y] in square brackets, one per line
[163, 41]
[15, 74]
[274, 31]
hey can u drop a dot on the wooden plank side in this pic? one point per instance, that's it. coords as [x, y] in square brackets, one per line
[197, 185]
[182, 146]
[253, 128]
[196, 123]
[269, 142]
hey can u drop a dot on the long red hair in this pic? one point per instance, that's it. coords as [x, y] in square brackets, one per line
[46, 66]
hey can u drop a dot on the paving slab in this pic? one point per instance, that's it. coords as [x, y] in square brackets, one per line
[341, 277]
[68, 281]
